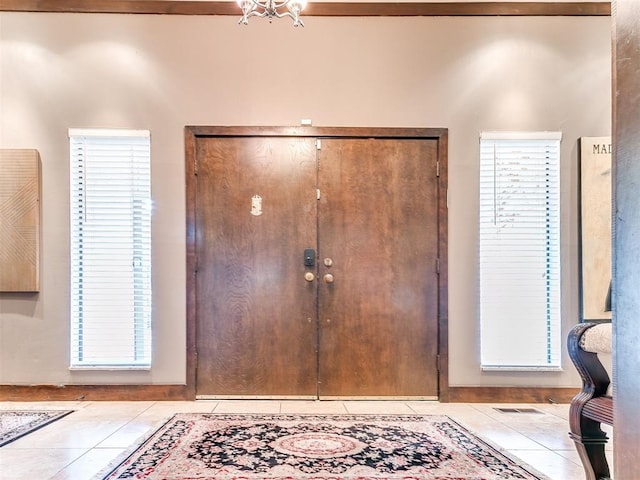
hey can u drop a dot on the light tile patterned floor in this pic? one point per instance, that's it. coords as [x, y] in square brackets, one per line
[82, 444]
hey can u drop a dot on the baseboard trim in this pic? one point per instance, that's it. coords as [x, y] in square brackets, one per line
[511, 394]
[32, 393]
[27, 393]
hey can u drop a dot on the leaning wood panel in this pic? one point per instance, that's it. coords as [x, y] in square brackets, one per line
[19, 220]
[626, 225]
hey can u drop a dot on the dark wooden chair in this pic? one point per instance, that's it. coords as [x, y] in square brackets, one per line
[593, 406]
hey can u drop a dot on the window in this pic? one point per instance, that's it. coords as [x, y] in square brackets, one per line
[110, 249]
[520, 250]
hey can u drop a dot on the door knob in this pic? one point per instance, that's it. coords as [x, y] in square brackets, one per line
[328, 278]
[309, 277]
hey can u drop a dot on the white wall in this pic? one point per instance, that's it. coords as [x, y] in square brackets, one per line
[164, 72]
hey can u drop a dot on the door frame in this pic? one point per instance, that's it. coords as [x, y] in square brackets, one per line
[193, 133]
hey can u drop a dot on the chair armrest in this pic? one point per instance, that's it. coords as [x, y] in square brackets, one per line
[583, 351]
[597, 338]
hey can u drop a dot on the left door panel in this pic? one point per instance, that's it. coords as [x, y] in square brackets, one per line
[256, 317]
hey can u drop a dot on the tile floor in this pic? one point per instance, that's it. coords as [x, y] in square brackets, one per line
[82, 444]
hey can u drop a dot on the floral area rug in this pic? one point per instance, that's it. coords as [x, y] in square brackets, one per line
[317, 447]
[17, 423]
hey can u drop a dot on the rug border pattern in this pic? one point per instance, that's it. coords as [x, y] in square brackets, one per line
[36, 424]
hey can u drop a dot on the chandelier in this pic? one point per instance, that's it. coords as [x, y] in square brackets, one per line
[269, 8]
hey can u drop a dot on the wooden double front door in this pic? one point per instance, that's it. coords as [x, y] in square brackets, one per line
[316, 263]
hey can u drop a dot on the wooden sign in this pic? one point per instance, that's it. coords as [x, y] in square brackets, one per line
[19, 220]
[595, 198]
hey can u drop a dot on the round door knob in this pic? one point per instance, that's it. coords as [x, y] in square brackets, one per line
[309, 277]
[328, 278]
[328, 262]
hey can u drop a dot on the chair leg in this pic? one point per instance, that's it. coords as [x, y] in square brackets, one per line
[590, 444]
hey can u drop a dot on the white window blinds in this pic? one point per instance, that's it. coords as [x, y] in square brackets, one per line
[520, 250]
[110, 248]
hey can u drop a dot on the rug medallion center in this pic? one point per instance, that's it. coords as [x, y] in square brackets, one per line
[318, 445]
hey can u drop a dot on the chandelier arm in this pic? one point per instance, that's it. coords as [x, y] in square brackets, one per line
[283, 14]
[296, 20]
[253, 13]
[245, 17]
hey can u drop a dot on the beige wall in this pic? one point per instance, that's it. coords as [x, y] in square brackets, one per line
[164, 72]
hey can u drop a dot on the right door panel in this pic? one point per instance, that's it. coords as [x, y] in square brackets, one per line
[378, 308]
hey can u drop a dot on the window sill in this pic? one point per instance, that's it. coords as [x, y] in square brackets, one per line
[520, 369]
[110, 368]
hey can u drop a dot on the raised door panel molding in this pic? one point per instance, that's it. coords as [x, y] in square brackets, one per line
[19, 220]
